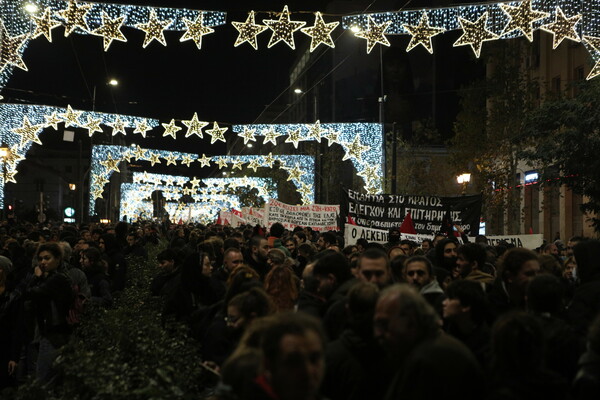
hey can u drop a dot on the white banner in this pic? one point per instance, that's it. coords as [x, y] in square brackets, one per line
[527, 241]
[354, 232]
[254, 216]
[320, 217]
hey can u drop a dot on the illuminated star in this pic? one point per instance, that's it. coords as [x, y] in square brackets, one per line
[332, 137]
[306, 200]
[142, 127]
[187, 160]
[222, 162]
[169, 180]
[195, 182]
[101, 180]
[118, 126]
[355, 150]
[110, 30]
[562, 28]
[154, 29]
[253, 164]
[594, 42]
[315, 131]
[372, 189]
[139, 153]
[92, 125]
[295, 173]
[270, 136]
[171, 129]
[154, 158]
[28, 132]
[269, 160]
[521, 18]
[294, 137]
[97, 193]
[13, 158]
[370, 173]
[248, 31]
[195, 30]
[111, 163]
[475, 33]
[145, 176]
[204, 161]
[306, 189]
[10, 49]
[194, 126]
[216, 133]
[187, 191]
[422, 34]
[320, 32]
[283, 29]
[374, 34]
[71, 117]
[52, 120]
[44, 25]
[248, 135]
[237, 164]
[74, 17]
[171, 159]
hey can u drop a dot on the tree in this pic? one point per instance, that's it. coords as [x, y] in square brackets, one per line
[568, 144]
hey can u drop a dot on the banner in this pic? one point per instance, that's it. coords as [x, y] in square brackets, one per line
[354, 232]
[385, 211]
[320, 217]
[527, 241]
[253, 216]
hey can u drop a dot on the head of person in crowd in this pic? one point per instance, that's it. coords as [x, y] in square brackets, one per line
[571, 243]
[245, 307]
[445, 254]
[231, 243]
[232, 258]
[277, 230]
[402, 320]
[259, 249]
[349, 251]
[291, 245]
[394, 236]
[426, 245]
[108, 243]
[518, 267]
[436, 239]
[49, 257]
[407, 246]
[306, 251]
[481, 239]
[92, 262]
[471, 257]
[166, 260]
[96, 233]
[418, 271]
[326, 240]
[331, 270]
[362, 299]
[465, 303]
[281, 285]
[132, 239]
[293, 356]
[394, 252]
[362, 244]
[550, 264]
[397, 268]
[86, 235]
[300, 237]
[239, 238]
[545, 294]
[276, 257]
[240, 280]
[587, 255]
[374, 267]
[569, 271]
[551, 249]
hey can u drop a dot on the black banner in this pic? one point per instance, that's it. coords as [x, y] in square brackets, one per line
[385, 211]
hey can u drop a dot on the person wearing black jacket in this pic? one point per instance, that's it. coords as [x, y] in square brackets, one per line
[117, 265]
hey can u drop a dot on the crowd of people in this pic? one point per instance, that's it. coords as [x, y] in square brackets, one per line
[298, 314]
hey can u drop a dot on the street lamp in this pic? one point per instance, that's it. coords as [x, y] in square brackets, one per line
[464, 179]
[112, 82]
[298, 91]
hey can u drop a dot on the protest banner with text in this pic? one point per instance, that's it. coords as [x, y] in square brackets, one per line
[320, 217]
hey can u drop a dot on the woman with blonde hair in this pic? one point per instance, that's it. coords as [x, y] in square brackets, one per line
[281, 283]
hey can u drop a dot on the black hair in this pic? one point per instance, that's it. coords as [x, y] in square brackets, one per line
[473, 252]
[470, 294]
[332, 262]
[545, 294]
[277, 230]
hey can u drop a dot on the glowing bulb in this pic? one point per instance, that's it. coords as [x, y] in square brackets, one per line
[31, 8]
[113, 82]
[355, 28]
[297, 90]
[249, 145]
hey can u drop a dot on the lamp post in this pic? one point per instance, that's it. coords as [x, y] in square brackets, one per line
[464, 179]
[111, 82]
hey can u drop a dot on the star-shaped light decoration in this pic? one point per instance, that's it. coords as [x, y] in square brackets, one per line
[270, 136]
[254, 164]
[237, 164]
[294, 173]
[204, 161]
[111, 163]
[44, 25]
[101, 180]
[127, 155]
[305, 189]
[294, 137]
[475, 33]
[374, 34]
[195, 30]
[10, 49]
[355, 150]
[52, 120]
[194, 126]
[171, 129]
[118, 126]
[562, 28]
[142, 127]
[110, 30]
[248, 31]
[372, 189]
[195, 182]
[92, 125]
[216, 133]
[145, 177]
[169, 180]
[283, 29]
[422, 34]
[186, 160]
[332, 137]
[594, 42]
[74, 17]
[320, 32]
[13, 158]
[171, 159]
[186, 192]
[521, 18]
[154, 158]
[269, 160]
[315, 131]
[28, 132]
[248, 135]
[154, 29]
[97, 193]
[71, 117]
[370, 173]
[139, 153]
[222, 162]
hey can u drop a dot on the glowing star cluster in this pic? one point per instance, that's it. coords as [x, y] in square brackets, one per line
[422, 34]
[521, 18]
[248, 31]
[475, 33]
[283, 29]
[375, 33]
[320, 32]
